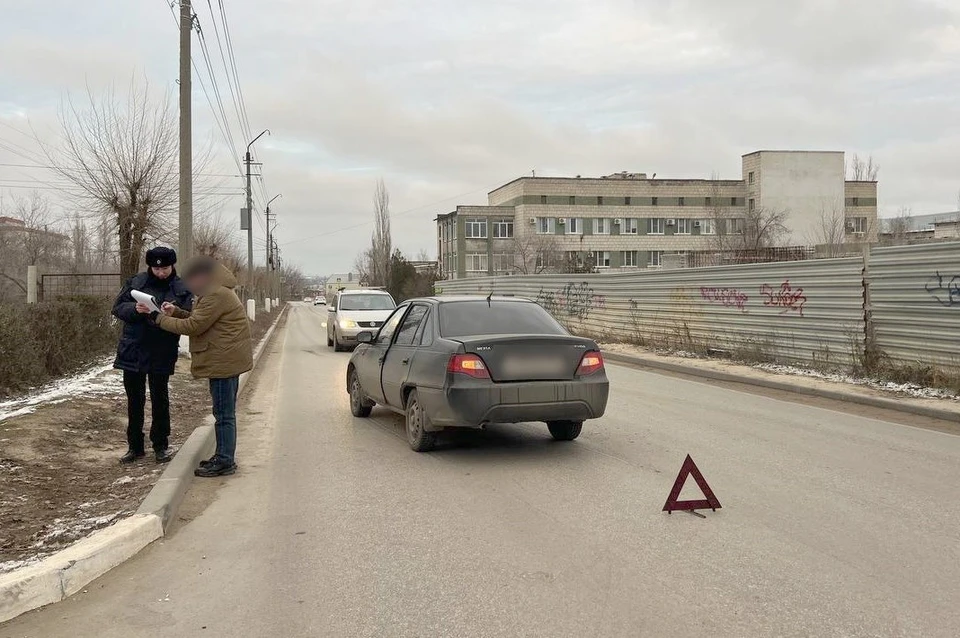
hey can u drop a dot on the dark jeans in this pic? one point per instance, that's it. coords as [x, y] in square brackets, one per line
[135, 384]
[224, 395]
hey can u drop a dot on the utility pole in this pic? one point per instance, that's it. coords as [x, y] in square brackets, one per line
[185, 230]
[271, 265]
[250, 216]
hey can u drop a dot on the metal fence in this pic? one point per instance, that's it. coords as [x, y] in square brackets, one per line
[808, 311]
[55, 286]
[915, 303]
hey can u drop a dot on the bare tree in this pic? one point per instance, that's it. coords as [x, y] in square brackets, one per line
[863, 170]
[374, 263]
[120, 156]
[213, 236]
[535, 253]
[763, 228]
[33, 240]
[898, 227]
[831, 232]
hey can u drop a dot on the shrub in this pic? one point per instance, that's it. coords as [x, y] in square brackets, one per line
[52, 338]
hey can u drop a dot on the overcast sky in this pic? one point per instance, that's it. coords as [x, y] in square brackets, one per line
[446, 100]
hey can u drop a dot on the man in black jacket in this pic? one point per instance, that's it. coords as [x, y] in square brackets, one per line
[146, 353]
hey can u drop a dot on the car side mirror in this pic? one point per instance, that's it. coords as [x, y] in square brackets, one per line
[331, 308]
[365, 337]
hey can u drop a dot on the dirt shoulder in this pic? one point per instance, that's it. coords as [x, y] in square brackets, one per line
[60, 478]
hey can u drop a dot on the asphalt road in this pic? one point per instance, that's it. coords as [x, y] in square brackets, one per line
[832, 524]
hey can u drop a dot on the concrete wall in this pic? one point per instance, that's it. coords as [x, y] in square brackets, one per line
[803, 183]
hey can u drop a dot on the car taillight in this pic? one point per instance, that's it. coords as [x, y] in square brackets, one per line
[590, 363]
[468, 364]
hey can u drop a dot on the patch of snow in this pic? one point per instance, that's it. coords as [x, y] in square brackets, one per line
[10, 565]
[92, 382]
[909, 389]
[123, 480]
[71, 530]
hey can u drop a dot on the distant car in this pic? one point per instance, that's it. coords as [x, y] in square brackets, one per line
[319, 301]
[467, 361]
[354, 311]
[308, 299]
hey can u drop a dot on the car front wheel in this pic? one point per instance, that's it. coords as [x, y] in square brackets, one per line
[565, 430]
[418, 437]
[359, 405]
[336, 342]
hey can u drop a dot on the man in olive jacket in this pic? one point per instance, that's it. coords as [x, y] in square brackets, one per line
[220, 349]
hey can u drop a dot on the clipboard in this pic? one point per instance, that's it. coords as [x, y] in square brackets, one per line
[146, 300]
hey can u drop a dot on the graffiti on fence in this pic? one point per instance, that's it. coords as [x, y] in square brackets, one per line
[786, 297]
[947, 293]
[572, 300]
[730, 297]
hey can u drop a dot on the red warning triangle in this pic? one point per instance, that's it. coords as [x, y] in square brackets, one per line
[688, 468]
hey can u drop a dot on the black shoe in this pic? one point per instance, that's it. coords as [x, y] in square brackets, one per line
[131, 456]
[210, 461]
[163, 456]
[217, 468]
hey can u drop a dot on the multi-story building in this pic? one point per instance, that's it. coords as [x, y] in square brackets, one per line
[630, 220]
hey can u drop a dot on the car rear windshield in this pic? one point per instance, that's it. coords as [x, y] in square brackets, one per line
[468, 318]
[366, 302]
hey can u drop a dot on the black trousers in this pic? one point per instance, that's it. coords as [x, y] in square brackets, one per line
[135, 383]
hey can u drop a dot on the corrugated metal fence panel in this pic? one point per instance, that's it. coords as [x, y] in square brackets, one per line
[915, 299]
[808, 311]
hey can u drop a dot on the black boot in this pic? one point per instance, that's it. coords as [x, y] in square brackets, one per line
[131, 456]
[210, 461]
[163, 456]
[216, 468]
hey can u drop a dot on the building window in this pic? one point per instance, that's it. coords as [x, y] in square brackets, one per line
[476, 262]
[546, 225]
[855, 201]
[655, 225]
[626, 201]
[653, 201]
[679, 201]
[857, 224]
[599, 201]
[750, 177]
[573, 200]
[600, 226]
[655, 258]
[502, 262]
[734, 226]
[753, 205]
[708, 201]
[452, 233]
[574, 226]
[707, 227]
[683, 226]
[629, 258]
[629, 226]
[733, 201]
[503, 228]
[475, 228]
[543, 199]
[574, 258]
[602, 259]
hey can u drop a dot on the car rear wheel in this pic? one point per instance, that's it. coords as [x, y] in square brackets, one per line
[565, 430]
[359, 405]
[418, 437]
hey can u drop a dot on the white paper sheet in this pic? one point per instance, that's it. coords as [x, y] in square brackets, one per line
[145, 299]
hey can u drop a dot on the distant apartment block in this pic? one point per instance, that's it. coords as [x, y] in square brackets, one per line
[631, 220]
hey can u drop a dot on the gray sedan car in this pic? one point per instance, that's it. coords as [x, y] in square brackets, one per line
[447, 362]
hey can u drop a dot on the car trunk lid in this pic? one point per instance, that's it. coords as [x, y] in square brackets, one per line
[529, 357]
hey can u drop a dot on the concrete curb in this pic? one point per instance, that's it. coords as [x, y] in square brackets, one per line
[70, 570]
[836, 395]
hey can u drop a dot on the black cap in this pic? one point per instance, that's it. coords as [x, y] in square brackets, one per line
[161, 256]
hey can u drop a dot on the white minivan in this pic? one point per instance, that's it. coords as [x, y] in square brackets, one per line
[356, 311]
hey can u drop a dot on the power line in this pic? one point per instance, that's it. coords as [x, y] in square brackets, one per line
[233, 61]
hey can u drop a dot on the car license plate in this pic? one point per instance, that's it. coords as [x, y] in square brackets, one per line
[533, 367]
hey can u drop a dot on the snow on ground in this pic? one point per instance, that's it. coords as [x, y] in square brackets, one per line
[91, 382]
[910, 389]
